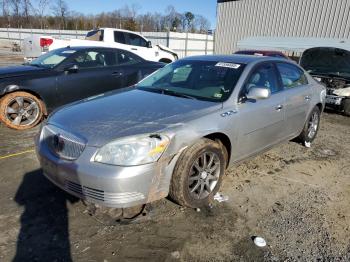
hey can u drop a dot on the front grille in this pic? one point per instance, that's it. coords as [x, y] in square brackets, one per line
[61, 143]
[100, 195]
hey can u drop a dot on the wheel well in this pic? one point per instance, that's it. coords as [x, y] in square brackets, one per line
[165, 60]
[320, 106]
[225, 141]
[29, 92]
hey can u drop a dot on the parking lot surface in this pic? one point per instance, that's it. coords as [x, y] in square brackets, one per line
[296, 198]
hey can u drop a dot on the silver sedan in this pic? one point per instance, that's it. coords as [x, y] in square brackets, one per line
[177, 131]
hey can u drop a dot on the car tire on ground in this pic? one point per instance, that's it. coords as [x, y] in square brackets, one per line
[21, 110]
[311, 126]
[346, 106]
[198, 174]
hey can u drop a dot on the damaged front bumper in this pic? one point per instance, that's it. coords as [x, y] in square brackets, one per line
[334, 100]
[107, 185]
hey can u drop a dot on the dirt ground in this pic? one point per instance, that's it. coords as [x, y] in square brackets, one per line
[296, 198]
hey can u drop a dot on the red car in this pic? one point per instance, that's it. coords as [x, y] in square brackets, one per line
[262, 53]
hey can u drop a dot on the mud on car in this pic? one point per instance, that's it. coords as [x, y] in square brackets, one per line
[177, 131]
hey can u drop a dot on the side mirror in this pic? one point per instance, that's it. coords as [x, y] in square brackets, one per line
[72, 68]
[149, 44]
[257, 93]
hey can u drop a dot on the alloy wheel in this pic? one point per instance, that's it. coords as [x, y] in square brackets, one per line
[204, 175]
[22, 111]
[313, 125]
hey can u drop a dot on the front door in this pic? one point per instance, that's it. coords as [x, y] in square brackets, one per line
[96, 74]
[261, 122]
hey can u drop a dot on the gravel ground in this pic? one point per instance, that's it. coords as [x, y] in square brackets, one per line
[296, 198]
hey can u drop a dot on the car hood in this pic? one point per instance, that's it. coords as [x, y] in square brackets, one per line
[21, 70]
[127, 112]
[327, 61]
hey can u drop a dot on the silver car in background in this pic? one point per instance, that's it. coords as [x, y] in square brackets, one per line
[177, 131]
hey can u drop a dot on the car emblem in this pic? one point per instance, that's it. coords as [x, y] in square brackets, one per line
[58, 143]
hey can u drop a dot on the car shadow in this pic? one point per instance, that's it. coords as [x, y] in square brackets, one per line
[44, 233]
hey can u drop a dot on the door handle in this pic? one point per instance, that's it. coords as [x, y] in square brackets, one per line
[279, 107]
[307, 98]
[134, 49]
[117, 74]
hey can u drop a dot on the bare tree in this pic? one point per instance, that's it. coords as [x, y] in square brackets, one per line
[60, 9]
[42, 6]
[16, 11]
[27, 7]
[5, 8]
[22, 13]
[202, 24]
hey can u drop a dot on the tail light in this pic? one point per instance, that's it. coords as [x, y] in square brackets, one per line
[46, 42]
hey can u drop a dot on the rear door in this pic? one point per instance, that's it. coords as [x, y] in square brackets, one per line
[95, 75]
[298, 96]
[261, 122]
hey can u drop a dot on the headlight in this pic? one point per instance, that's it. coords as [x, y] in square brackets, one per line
[138, 150]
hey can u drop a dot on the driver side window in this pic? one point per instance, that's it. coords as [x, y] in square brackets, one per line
[263, 76]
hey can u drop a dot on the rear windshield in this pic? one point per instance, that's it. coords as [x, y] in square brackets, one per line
[203, 80]
[95, 35]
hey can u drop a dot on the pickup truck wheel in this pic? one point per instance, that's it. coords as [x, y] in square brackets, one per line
[311, 126]
[21, 110]
[346, 106]
[198, 174]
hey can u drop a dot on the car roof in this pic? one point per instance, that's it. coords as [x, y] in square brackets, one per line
[86, 47]
[240, 59]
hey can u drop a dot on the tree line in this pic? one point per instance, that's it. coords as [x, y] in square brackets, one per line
[46, 14]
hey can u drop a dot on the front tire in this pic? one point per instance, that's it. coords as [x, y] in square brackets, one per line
[311, 126]
[21, 110]
[198, 174]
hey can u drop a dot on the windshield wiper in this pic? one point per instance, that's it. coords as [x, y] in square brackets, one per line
[167, 92]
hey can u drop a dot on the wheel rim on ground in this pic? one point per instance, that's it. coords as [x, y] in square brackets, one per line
[204, 175]
[22, 111]
[313, 125]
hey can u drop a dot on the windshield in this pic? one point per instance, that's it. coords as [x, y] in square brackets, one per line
[53, 58]
[204, 80]
[327, 61]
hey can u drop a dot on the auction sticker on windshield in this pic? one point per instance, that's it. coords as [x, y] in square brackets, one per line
[228, 65]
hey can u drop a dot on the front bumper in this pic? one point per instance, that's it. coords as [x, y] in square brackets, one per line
[107, 185]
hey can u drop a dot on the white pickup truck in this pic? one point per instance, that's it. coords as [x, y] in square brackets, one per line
[37, 45]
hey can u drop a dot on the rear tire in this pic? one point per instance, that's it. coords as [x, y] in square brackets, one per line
[21, 110]
[198, 174]
[346, 106]
[311, 126]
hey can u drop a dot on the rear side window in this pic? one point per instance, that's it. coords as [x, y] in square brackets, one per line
[95, 59]
[127, 58]
[291, 75]
[119, 37]
[132, 39]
